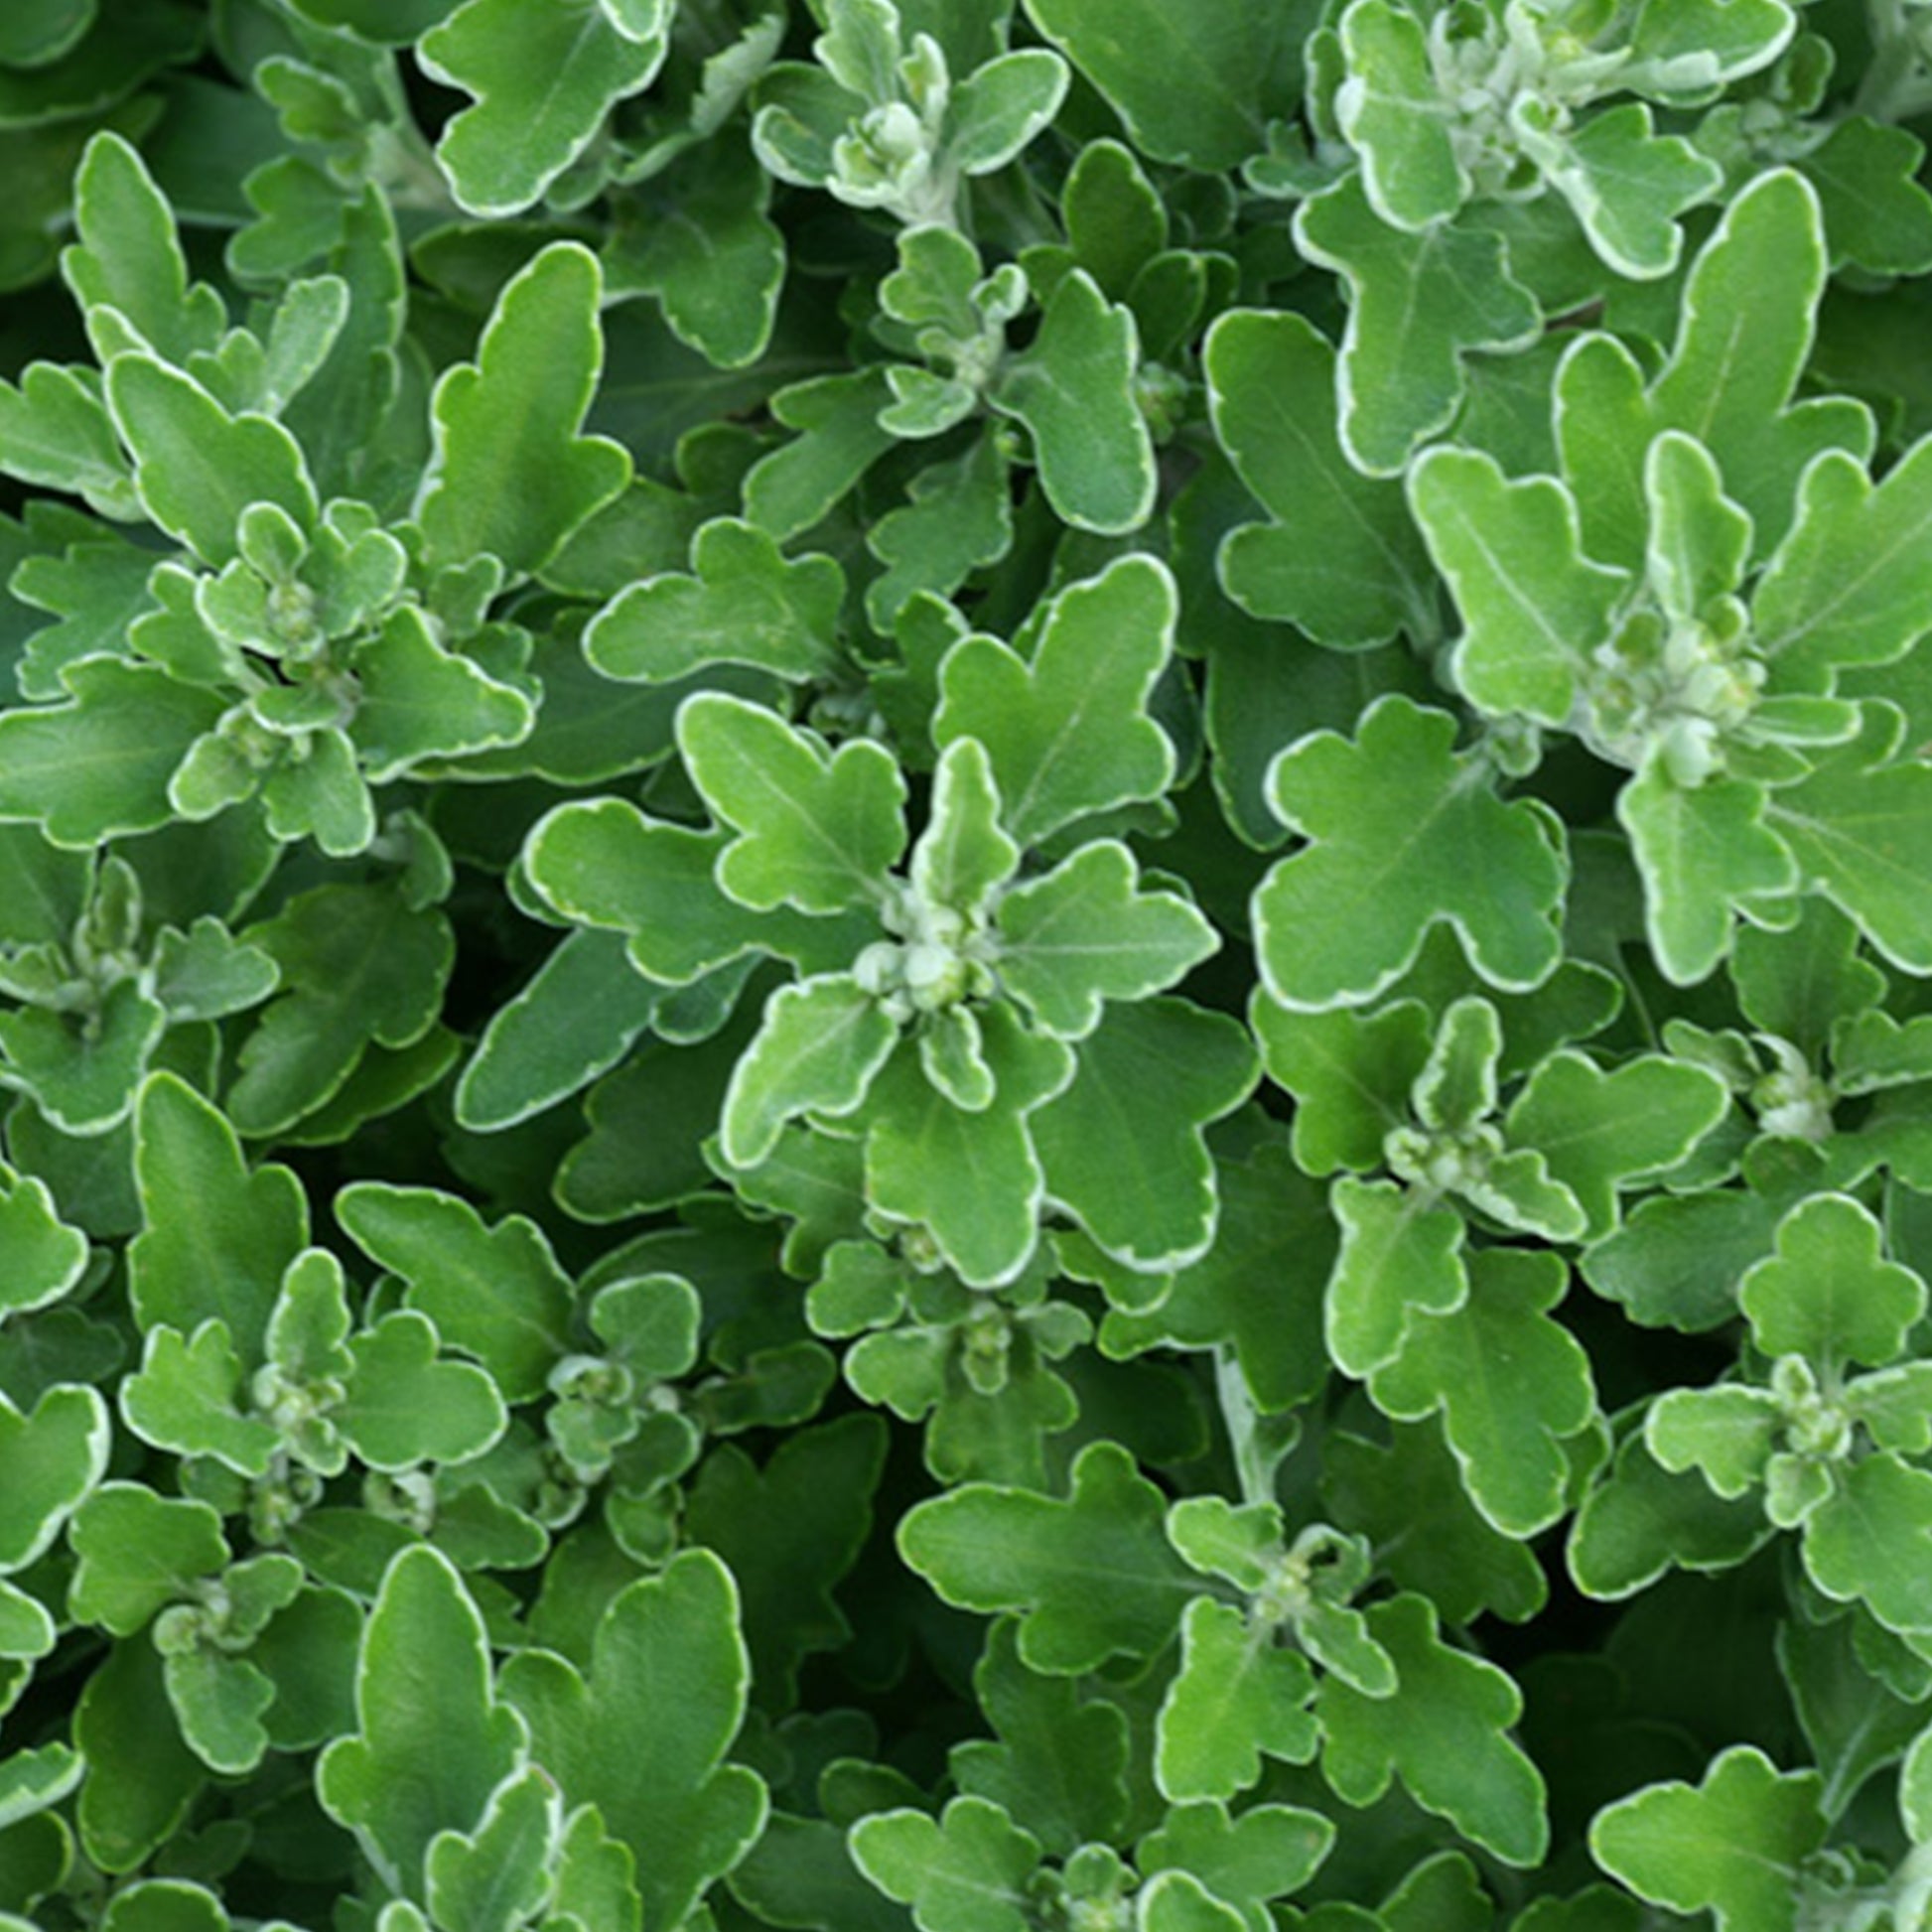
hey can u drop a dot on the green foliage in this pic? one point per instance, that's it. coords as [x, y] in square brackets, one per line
[913, 914]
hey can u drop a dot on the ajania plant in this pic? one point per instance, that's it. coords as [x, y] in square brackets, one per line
[965, 966]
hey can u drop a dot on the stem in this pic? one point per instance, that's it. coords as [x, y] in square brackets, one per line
[1255, 1454]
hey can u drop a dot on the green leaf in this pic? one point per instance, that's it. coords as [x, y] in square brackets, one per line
[1061, 1760]
[1827, 1295]
[97, 591]
[1511, 1384]
[816, 829]
[1641, 1520]
[41, 1256]
[1123, 1147]
[321, 796]
[1350, 1073]
[142, 1780]
[432, 1741]
[1534, 607]
[745, 602]
[99, 765]
[972, 1180]
[1743, 338]
[964, 1872]
[1871, 1050]
[1237, 1698]
[1093, 1576]
[1809, 987]
[1727, 1433]
[55, 432]
[359, 966]
[40, 31]
[1456, 1087]
[1444, 1734]
[1855, 1724]
[421, 702]
[1625, 183]
[1074, 390]
[1440, 1894]
[957, 518]
[820, 1044]
[1876, 212]
[55, 1455]
[1176, 1901]
[1339, 559]
[500, 1873]
[196, 466]
[1001, 106]
[840, 438]
[208, 974]
[405, 1407]
[186, 1397]
[1849, 584]
[789, 1532]
[344, 417]
[642, 1734]
[1870, 1541]
[1401, 1253]
[138, 1552]
[1733, 1845]
[128, 258]
[1390, 111]
[83, 1074]
[1273, 1225]
[496, 1293]
[576, 1019]
[705, 248]
[219, 1697]
[1857, 829]
[1086, 933]
[963, 857]
[1404, 834]
[603, 864]
[1246, 1861]
[1700, 540]
[1067, 733]
[1600, 1130]
[1408, 1498]
[800, 1873]
[1703, 851]
[648, 1123]
[225, 1260]
[1693, 47]
[1418, 303]
[32, 1780]
[1599, 1909]
[1196, 92]
[510, 476]
[541, 88]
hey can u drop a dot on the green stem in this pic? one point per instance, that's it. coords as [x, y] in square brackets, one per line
[1256, 1454]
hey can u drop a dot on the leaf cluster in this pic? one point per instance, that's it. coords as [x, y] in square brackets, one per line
[965, 964]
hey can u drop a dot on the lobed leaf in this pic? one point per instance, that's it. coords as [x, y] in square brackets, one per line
[1340, 557]
[510, 476]
[1403, 834]
[1092, 1576]
[1731, 1845]
[1066, 732]
[540, 87]
[667, 1666]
